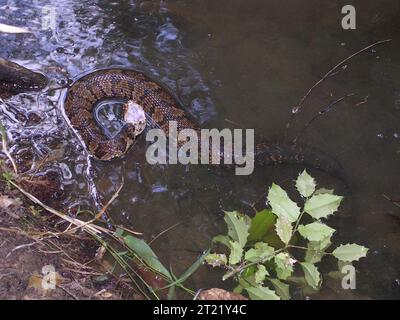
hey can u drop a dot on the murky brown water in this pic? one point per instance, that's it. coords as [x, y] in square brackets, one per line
[245, 62]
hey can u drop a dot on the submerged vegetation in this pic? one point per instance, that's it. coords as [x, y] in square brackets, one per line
[282, 246]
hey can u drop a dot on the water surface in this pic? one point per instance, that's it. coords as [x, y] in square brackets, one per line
[233, 64]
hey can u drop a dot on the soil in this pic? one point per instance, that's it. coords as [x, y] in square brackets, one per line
[25, 261]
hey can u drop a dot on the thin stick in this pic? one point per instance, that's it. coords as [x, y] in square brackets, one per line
[321, 113]
[164, 231]
[299, 106]
[394, 202]
[101, 212]
[4, 146]
[91, 229]
[115, 195]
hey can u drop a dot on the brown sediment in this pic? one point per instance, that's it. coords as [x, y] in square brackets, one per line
[47, 186]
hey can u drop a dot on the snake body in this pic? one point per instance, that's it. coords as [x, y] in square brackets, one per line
[129, 85]
[16, 79]
[161, 107]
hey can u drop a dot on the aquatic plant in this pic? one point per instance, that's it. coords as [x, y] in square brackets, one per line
[277, 247]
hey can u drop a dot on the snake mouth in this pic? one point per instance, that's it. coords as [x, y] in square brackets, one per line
[134, 115]
[119, 116]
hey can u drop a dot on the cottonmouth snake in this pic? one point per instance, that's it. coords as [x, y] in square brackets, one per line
[16, 79]
[161, 107]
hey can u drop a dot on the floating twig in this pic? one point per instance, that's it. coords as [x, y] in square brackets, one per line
[331, 72]
[320, 113]
[164, 231]
[394, 202]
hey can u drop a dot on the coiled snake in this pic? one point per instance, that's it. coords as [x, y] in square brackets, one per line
[158, 104]
[161, 107]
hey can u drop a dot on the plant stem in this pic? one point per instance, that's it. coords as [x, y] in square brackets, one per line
[297, 247]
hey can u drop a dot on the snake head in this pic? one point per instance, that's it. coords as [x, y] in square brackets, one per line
[130, 131]
[135, 118]
[16, 79]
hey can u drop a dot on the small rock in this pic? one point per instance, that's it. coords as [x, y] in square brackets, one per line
[219, 294]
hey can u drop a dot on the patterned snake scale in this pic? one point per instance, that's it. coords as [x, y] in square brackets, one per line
[161, 107]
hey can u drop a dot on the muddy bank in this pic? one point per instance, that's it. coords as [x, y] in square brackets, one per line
[37, 264]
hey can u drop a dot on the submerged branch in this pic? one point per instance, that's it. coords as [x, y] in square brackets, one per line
[331, 72]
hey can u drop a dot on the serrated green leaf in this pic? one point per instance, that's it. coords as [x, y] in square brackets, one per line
[305, 184]
[281, 288]
[261, 252]
[238, 226]
[143, 250]
[261, 293]
[350, 252]
[322, 205]
[281, 204]
[221, 239]
[247, 282]
[284, 265]
[261, 224]
[316, 250]
[284, 229]
[316, 231]
[216, 259]
[238, 289]
[236, 252]
[260, 274]
[311, 274]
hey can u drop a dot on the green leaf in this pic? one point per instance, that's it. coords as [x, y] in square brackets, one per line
[189, 271]
[260, 253]
[350, 252]
[260, 274]
[322, 205]
[284, 265]
[305, 184]
[337, 275]
[316, 231]
[238, 226]
[311, 274]
[261, 293]
[284, 229]
[281, 204]
[316, 250]
[238, 289]
[281, 288]
[261, 223]
[216, 259]
[144, 252]
[247, 282]
[221, 239]
[236, 252]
